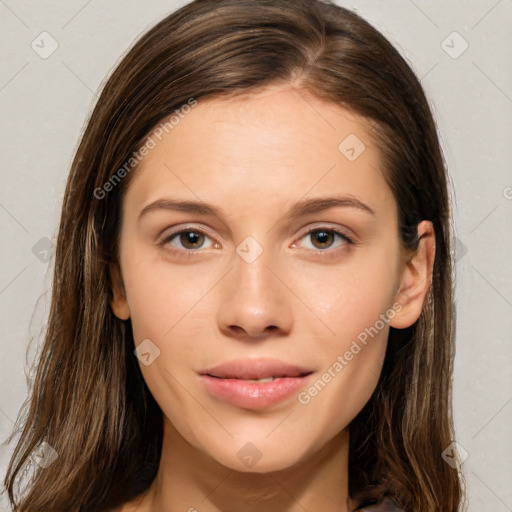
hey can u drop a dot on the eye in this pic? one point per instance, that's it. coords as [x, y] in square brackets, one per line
[323, 238]
[188, 239]
[191, 239]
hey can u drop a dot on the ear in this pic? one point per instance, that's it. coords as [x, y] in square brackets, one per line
[416, 278]
[118, 303]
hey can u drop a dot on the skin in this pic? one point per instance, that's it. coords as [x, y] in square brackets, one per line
[254, 157]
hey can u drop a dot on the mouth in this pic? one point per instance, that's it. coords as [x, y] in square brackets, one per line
[254, 384]
[256, 370]
[263, 379]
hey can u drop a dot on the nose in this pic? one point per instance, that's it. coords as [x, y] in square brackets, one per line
[256, 301]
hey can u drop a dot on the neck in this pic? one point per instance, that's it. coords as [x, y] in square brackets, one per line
[190, 480]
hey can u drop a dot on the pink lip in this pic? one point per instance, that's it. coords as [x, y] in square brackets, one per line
[228, 382]
[255, 369]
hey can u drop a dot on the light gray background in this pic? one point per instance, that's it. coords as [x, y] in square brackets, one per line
[44, 103]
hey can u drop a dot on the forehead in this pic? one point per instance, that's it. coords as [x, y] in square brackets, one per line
[262, 149]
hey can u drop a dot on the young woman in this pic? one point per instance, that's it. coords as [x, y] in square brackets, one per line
[252, 299]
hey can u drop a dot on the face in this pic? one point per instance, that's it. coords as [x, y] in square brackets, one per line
[257, 279]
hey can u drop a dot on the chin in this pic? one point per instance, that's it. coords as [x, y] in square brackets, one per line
[258, 458]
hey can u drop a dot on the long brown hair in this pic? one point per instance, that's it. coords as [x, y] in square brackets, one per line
[89, 400]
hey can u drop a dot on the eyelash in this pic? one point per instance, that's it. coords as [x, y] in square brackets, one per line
[323, 253]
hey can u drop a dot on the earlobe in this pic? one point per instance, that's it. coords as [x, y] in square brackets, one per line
[118, 303]
[416, 278]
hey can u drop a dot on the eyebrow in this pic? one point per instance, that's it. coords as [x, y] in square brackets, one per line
[298, 209]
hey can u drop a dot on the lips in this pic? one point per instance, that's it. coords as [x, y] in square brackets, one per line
[256, 369]
[254, 383]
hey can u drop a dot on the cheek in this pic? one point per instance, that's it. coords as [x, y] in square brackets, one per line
[355, 303]
[352, 297]
[162, 296]
[357, 312]
[169, 305]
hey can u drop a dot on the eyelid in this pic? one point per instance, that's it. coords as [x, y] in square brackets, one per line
[327, 227]
[176, 230]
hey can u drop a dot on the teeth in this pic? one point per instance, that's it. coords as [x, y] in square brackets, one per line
[266, 379]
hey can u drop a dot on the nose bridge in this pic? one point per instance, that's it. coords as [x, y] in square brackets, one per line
[252, 267]
[250, 250]
[256, 299]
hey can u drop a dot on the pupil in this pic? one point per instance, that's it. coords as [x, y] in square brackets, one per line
[322, 235]
[191, 238]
